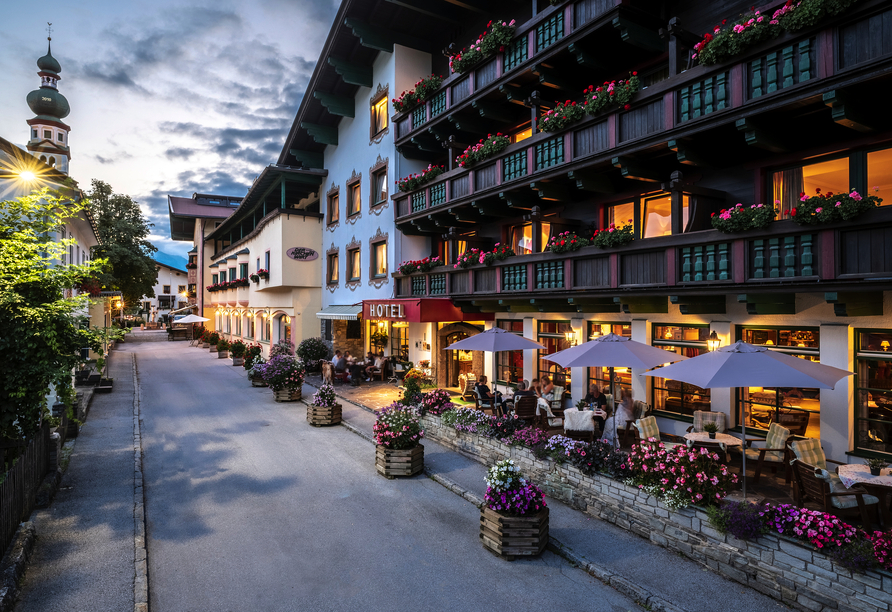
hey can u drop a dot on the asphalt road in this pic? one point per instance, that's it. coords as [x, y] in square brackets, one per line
[250, 508]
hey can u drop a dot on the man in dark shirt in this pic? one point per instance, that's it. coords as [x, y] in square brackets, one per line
[596, 401]
[340, 364]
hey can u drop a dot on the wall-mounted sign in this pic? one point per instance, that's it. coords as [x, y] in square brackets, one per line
[302, 254]
[382, 310]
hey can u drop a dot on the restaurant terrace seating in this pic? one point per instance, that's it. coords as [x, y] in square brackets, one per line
[704, 416]
[647, 428]
[525, 407]
[775, 453]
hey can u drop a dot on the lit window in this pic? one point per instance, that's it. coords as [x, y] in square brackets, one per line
[522, 135]
[355, 201]
[379, 262]
[354, 270]
[522, 239]
[830, 176]
[879, 175]
[333, 268]
[333, 208]
[379, 115]
[379, 187]
[621, 214]
[656, 216]
[181, 289]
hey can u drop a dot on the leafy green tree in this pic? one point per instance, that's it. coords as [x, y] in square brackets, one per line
[39, 333]
[123, 236]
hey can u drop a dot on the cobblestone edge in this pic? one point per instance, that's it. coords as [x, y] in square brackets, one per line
[140, 558]
[642, 596]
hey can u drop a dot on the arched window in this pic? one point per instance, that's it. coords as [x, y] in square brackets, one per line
[284, 327]
[52, 161]
[43, 159]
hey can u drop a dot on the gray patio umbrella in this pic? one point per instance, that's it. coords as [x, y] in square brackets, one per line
[747, 365]
[612, 351]
[494, 340]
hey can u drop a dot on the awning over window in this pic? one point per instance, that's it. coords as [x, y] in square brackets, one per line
[340, 313]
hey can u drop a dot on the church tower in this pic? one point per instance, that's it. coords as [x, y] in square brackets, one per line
[49, 135]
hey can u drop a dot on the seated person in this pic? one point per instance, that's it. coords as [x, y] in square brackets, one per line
[546, 388]
[534, 387]
[339, 362]
[376, 367]
[521, 391]
[485, 393]
[596, 401]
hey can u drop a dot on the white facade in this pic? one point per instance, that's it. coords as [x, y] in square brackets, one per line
[170, 288]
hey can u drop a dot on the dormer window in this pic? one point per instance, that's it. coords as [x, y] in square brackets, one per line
[61, 137]
[48, 134]
[33, 133]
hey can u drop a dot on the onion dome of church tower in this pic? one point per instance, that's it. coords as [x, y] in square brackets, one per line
[49, 134]
[47, 101]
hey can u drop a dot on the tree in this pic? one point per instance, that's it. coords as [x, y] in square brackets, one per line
[39, 331]
[123, 236]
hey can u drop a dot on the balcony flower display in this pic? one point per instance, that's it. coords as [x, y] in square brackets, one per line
[479, 256]
[496, 38]
[414, 181]
[502, 251]
[191, 266]
[423, 265]
[829, 207]
[566, 241]
[611, 94]
[741, 218]
[614, 236]
[423, 90]
[559, 117]
[487, 147]
[256, 276]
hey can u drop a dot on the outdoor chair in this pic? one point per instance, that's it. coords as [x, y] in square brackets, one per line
[626, 434]
[647, 428]
[579, 425]
[827, 490]
[774, 455]
[702, 417]
[525, 408]
[557, 403]
[466, 385]
[485, 403]
[399, 372]
[339, 376]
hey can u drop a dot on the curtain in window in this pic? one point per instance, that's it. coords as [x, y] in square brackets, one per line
[788, 184]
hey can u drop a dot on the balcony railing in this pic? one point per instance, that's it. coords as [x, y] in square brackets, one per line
[785, 255]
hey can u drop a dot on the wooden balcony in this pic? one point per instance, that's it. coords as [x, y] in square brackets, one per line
[696, 270]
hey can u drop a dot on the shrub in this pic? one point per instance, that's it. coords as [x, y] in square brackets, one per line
[503, 428]
[282, 347]
[198, 333]
[223, 345]
[740, 519]
[857, 556]
[820, 529]
[882, 548]
[741, 218]
[558, 448]
[411, 388]
[284, 372]
[325, 396]
[312, 351]
[508, 491]
[397, 427]
[253, 354]
[213, 338]
[468, 420]
[237, 349]
[435, 402]
[530, 437]
[614, 236]
[598, 456]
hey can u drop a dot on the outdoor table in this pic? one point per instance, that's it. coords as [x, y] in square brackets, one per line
[702, 436]
[879, 486]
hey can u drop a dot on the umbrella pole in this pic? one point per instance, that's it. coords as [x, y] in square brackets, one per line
[743, 450]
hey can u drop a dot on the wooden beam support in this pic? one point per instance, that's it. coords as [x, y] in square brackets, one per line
[493, 208]
[594, 305]
[352, 74]
[758, 137]
[519, 200]
[416, 153]
[442, 219]
[768, 303]
[409, 229]
[592, 181]
[550, 77]
[699, 304]
[552, 305]
[515, 94]
[382, 39]
[322, 134]
[688, 154]
[425, 144]
[492, 112]
[634, 305]
[856, 304]
[475, 6]
[467, 214]
[846, 112]
[439, 11]
[638, 35]
[586, 59]
[423, 225]
[631, 169]
[469, 123]
[553, 192]
[440, 133]
[340, 106]
[308, 159]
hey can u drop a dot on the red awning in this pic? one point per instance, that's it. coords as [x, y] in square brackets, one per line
[419, 310]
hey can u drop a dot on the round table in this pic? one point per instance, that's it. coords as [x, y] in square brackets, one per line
[879, 486]
[702, 436]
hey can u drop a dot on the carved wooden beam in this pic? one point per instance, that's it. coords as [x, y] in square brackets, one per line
[352, 74]
[689, 154]
[308, 159]
[633, 305]
[594, 304]
[856, 304]
[632, 169]
[515, 94]
[585, 58]
[553, 192]
[492, 111]
[519, 200]
[449, 13]
[341, 106]
[699, 304]
[383, 39]
[756, 136]
[846, 111]
[768, 303]
[592, 181]
[638, 35]
[322, 134]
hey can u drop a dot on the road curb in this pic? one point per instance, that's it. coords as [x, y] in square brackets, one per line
[140, 553]
[14, 562]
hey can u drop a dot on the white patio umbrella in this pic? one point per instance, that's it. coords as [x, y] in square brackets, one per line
[746, 365]
[192, 318]
[494, 340]
[613, 351]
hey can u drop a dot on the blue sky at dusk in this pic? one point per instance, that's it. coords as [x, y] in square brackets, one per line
[167, 97]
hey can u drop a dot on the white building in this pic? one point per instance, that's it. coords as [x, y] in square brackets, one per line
[171, 292]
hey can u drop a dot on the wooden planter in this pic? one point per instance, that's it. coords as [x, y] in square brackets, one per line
[514, 536]
[238, 361]
[222, 354]
[391, 463]
[287, 395]
[213, 348]
[257, 381]
[205, 345]
[319, 416]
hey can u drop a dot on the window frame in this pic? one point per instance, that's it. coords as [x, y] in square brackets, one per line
[374, 175]
[561, 345]
[373, 259]
[243, 270]
[266, 260]
[336, 279]
[355, 186]
[504, 358]
[354, 275]
[165, 289]
[333, 212]
[657, 384]
[860, 449]
[375, 101]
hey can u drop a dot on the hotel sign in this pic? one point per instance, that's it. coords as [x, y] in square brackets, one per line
[385, 310]
[302, 254]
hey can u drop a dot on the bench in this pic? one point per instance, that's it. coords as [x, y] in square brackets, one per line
[178, 333]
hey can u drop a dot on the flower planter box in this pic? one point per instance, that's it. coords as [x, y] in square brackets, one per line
[287, 395]
[320, 416]
[238, 361]
[222, 354]
[391, 463]
[514, 536]
[205, 345]
[93, 379]
[213, 348]
[105, 385]
[257, 381]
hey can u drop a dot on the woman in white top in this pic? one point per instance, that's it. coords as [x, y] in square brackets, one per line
[617, 421]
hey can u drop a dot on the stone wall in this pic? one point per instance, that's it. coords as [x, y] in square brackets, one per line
[779, 567]
[340, 342]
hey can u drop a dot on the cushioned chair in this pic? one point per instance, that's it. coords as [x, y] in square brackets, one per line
[466, 385]
[827, 490]
[706, 416]
[796, 422]
[647, 428]
[775, 453]
[626, 434]
[485, 403]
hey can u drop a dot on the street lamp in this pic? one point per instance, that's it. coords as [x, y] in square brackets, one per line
[713, 342]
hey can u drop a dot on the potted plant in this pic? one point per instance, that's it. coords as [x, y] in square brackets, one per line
[253, 354]
[379, 338]
[514, 517]
[285, 376]
[237, 352]
[312, 351]
[711, 428]
[255, 372]
[223, 348]
[876, 466]
[397, 451]
[213, 338]
[324, 409]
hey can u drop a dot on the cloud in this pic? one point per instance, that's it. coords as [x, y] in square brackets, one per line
[179, 153]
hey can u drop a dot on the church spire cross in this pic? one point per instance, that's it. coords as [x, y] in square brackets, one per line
[49, 30]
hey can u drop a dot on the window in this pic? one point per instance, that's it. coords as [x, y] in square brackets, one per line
[243, 270]
[522, 135]
[61, 137]
[551, 336]
[333, 208]
[237, 327]
[521, 237]
[284, 327]
[873, 390]
[353, 269]
[621, 214]
[333, 269]
[33, 133]
[622, 377]
[379, 187]
[165, 289]
[181, 289]
[454, 250]
[258, 265]
[797, 409]
[355, 204]
[264, 328]
[48, 134]
[509, 364]
[672, 396]
[326, 330]
[215, 278]
[656, 217]
[399, 341]
[379, 116]
[879, 175]
[165, 302]
[232, 274]
[354, 330]
[249, 326]
[379, 259]
[828, 176]
[266, 261]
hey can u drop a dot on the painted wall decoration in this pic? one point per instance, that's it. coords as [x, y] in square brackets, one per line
[302, 254]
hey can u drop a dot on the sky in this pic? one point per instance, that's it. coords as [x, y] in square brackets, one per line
[167, 97]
